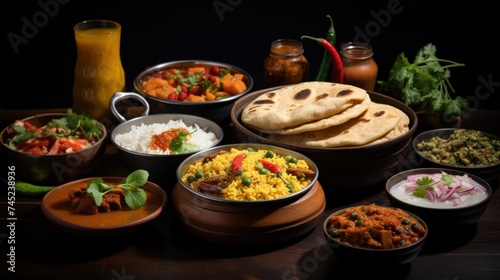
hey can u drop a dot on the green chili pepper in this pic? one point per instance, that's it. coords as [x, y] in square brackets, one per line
[30, 189]
[326, 63]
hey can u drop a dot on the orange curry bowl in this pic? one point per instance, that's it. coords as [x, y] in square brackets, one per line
[375, 234]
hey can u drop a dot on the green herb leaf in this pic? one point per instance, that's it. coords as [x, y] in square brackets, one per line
[135, 197]
[178, 144]
[447, 179]
[424, 84]
[423, 183]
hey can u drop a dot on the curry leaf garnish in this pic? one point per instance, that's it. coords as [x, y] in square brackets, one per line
[135, 196]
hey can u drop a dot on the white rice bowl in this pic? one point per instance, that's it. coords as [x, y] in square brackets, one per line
[138, 139]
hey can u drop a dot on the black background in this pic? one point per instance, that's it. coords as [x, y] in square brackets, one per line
[39, 72]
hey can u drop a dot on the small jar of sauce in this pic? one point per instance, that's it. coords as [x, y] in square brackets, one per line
[286, 63]
[360, 69]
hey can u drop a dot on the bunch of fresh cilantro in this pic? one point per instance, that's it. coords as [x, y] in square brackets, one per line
[424, 84]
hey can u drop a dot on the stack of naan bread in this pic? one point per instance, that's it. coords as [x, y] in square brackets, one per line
[323, 114]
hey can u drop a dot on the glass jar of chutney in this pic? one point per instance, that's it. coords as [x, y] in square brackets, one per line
[286, 63]
[360, 69]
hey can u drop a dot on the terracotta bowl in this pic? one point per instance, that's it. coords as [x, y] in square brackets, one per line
[488, 173]
[57, 209]
[344, 168]
[52, 169]
[391, 256]
[438, 214]
[217, 110]
[247, 223]
[162, 168]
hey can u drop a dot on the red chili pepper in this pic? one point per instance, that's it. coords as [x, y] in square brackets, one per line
[338, 68]
[236, 166]
[276, 170]
[270, 166]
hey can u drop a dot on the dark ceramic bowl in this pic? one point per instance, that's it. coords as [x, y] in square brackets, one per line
[488, 173]
[463, 214]
[247, 223]
[216, 111]
[53, 169]
[343, 168]
[394, 256]
[162, 168]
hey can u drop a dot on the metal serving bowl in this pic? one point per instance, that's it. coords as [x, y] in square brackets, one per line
[161, 168]
[217, 110]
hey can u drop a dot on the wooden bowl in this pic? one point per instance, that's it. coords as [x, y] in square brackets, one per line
[343, 168]
[53, 169]
[248, 225]
[56, 207]
[247, 222]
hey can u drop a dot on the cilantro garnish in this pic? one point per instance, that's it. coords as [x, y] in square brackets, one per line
[178, 144]
[426, 183]
[72, 125]
[135, 197]
[423, 184]
[424, 84]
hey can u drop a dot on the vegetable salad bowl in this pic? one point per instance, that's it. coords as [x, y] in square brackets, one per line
[52, 169]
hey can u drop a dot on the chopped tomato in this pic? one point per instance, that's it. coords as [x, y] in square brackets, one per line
[54, 150]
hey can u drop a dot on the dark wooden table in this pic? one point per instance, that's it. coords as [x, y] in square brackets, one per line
[164, 250]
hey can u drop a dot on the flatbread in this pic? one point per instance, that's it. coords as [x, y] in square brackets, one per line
[299, 104]
[356, 110]
[401, 127]
[378, 120]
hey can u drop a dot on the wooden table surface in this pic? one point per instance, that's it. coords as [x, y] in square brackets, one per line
[164, 250]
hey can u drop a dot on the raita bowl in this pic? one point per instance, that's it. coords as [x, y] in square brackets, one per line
[442, 210]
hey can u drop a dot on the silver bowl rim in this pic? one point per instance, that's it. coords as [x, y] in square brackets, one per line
[218, 130]
[191, 159]
[158, 67]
